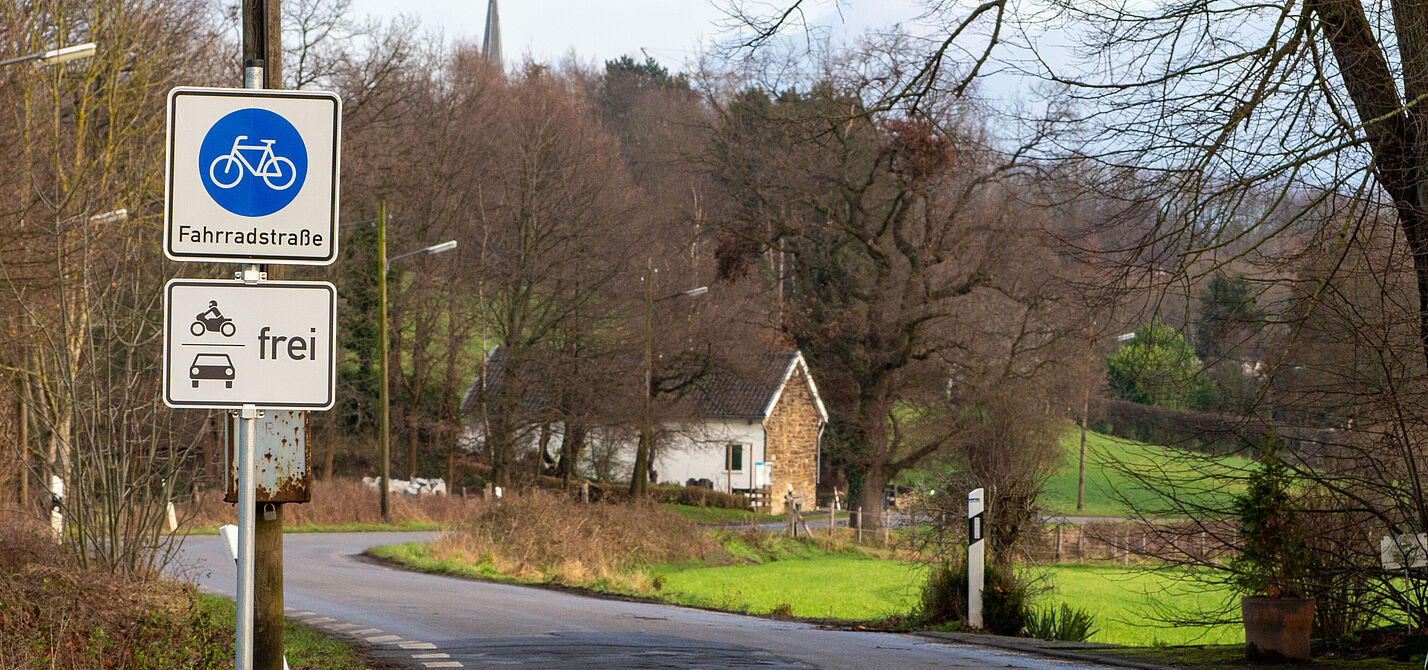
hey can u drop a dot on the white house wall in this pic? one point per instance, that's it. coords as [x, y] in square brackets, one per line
[693, 451]
[697, 452]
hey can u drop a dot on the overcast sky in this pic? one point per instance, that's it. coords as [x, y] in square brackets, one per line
[673, 31]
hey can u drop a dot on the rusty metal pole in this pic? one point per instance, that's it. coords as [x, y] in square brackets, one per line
[262, 41]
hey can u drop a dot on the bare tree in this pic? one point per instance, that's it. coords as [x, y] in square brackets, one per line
[554, 208]
[84, 282]
[884, 233]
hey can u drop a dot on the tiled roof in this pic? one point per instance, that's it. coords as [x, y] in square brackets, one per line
[744, 389]
[496, 362]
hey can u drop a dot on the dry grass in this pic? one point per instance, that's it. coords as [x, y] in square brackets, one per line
[544, 536]
[55, 615]
[338, 502]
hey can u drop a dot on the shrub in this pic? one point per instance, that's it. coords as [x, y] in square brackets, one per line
[944, 598]
[1274, 558]
[55, 614]
[699, 496]
[544, 534]
[1004, 606]
[1064, 623]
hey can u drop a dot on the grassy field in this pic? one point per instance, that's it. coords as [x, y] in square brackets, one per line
[1108, 488]
[805, 580]
[304, 647]
[1124, 599]
[862, 588]
[829, 587]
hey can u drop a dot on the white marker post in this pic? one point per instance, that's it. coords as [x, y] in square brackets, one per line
[976, 557]
[56, 501]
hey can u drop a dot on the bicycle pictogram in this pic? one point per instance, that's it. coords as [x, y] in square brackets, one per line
[252, 162]
[276, 171]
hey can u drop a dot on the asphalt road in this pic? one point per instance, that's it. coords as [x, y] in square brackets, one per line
[430, 621]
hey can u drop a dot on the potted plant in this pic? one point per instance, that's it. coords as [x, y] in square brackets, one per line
[1273, 562]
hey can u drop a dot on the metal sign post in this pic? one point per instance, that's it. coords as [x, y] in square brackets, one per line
[246, 524]
[976, 557]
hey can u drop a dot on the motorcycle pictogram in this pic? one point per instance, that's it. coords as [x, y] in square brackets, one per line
[212, 321]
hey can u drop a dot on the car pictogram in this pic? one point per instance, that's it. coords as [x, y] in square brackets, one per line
[211, 366]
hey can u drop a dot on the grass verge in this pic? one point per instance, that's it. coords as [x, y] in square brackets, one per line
[778, 576]
[304, 647]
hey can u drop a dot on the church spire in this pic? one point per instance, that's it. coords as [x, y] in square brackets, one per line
[491, 42]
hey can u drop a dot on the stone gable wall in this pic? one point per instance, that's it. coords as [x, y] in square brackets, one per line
[792, 445]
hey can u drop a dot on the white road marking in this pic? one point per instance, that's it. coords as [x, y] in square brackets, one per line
[443, 664]
[367, 631]
[380, 639]
[416, 645]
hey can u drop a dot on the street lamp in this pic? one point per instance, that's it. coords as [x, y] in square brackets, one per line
[386, 264]
[642, 451]
[56, 56]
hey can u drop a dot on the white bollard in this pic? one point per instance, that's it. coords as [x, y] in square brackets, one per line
[229, 533]
[976, 557]
[56, 498]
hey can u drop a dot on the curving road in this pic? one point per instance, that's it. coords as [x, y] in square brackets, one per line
[428, 621]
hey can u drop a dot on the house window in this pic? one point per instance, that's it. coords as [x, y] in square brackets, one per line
[734, 458]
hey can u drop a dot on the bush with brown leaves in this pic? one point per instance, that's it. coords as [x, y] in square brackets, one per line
[546, 535]
[54, 614]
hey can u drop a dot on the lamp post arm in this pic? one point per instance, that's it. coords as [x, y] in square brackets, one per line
[56, 56]
[433, 249]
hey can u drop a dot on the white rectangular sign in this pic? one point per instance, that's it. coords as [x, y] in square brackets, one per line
[252, 175]
[229, 344]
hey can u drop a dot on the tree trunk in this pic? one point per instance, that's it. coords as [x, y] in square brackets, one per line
[544, 453]
[570, 450]
[870, 498]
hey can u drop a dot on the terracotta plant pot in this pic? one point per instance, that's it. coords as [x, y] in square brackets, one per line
[1277, 629]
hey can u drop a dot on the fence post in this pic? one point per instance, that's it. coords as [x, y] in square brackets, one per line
[1059, 527]
[860, 525]
[885, 528]
[791, 513]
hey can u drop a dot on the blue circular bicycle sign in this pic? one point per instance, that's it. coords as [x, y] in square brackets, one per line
[252, 162]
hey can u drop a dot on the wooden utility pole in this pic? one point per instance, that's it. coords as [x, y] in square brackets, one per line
[263, 38]
[386, 428]
[268, 588]
[262, 42]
